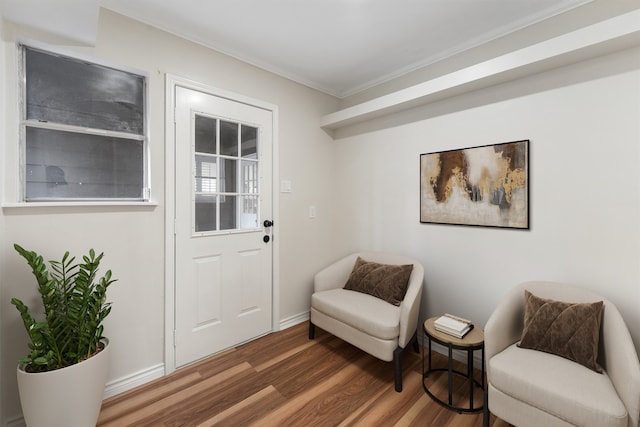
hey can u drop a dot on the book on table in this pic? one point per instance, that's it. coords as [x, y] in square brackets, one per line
[453, 325]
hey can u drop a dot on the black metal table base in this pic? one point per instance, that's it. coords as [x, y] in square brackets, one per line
[451, 372]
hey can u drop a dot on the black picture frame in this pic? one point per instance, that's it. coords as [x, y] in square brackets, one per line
[485, 186]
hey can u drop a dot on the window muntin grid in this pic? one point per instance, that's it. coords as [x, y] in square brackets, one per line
[226, 175]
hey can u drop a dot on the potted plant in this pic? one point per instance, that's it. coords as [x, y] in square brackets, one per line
[61, 381]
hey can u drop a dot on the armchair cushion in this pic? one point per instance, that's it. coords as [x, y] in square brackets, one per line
[356, 309]
[569, 330]
[385, 281]
[558, 386]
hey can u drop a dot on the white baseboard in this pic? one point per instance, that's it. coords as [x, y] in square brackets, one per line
[134, 380]
[154, 372]
[16, 422]
[294, 320]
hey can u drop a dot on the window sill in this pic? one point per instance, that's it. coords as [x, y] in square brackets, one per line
[21, 205]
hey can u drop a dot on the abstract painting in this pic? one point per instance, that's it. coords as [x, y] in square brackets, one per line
[485, 186]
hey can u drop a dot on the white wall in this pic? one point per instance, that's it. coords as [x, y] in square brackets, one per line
[133, 238]
[2, 126]
[583, 122]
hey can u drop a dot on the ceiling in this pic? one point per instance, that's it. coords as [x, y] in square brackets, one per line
[341, 47]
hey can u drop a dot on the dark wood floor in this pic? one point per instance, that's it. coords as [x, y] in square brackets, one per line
[285, 379]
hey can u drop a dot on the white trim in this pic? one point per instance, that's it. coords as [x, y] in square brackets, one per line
[60, 204]
[294, 320]
[169, 203]
[16, 422]
[275, 207]
[172, 81]
[82, 130]
[132, 381]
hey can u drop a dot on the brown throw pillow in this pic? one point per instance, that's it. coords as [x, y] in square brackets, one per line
[384, 281]
[565, 329]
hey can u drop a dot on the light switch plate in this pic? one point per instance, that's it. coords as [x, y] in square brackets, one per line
[285, 186]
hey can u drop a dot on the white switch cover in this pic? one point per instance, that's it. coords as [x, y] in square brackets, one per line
[285, 186]
[312, 211]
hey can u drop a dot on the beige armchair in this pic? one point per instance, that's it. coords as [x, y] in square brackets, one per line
[533, 388]
[381, 329]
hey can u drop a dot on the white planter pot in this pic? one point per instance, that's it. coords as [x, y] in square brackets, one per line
[68, 397]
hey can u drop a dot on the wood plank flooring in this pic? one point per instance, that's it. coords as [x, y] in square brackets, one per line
[285, 379]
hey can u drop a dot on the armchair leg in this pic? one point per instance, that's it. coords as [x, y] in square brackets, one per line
[312, 330]
[397, 368]
[398, 354]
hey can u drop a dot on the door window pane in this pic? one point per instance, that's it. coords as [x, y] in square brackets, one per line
[205, 135]
[229, 138]
[228, 216]
[249, 177]
[228, 171]
[249, 217]
[205, 213]
[206, 174]
[249, 142]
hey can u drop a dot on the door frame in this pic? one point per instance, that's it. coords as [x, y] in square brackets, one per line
[171, 82]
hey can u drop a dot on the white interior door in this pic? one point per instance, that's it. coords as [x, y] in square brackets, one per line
[223, 249]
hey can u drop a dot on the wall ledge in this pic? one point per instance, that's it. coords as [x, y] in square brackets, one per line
[78, 24]
[621, 32]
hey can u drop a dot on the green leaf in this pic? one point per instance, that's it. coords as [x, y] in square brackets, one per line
[74, 302]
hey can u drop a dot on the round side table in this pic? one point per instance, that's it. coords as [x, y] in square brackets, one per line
[474, 340]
